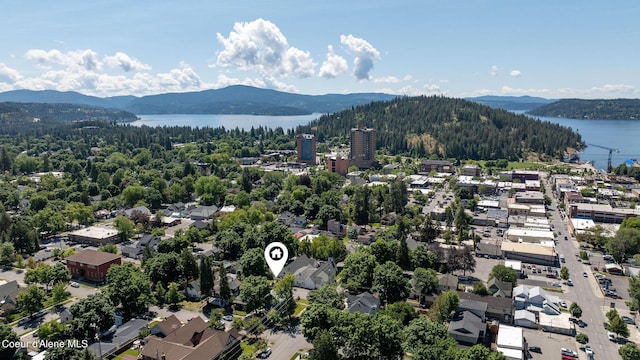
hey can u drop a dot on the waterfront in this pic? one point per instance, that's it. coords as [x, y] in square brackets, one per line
[618, 134]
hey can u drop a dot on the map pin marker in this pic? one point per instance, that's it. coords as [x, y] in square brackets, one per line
[276, 255]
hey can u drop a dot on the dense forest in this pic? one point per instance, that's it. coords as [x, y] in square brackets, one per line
[16, 113]
[615, 109]
[511, 102]
[449, 128]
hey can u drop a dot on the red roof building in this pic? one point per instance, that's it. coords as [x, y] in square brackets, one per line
[92, 265]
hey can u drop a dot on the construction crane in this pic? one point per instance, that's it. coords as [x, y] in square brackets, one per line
[611, 150]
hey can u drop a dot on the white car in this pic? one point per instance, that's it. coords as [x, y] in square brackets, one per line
[569, 282]
[74, 284]
[563, 304]
[568, 352]
[611, 336]
[585, 274]
[588, 350]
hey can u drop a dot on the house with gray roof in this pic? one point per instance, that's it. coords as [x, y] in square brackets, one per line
[311, 274]
[203, 212]
[364, 303]
[8, 296]
[535, 299]
[500, 288]
[467, 327]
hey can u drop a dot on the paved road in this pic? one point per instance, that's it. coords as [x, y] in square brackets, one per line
[585, 290]
[284, 344]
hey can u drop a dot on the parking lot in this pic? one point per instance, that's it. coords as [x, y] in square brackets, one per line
[551, 343]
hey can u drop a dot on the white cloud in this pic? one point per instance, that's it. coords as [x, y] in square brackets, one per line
[612, 90]
[86, 59]
[125, 62]
[506, 90]
[515, 73]
[333, 66]
[407, 77]
[494, 70]
[387, 79]
[260, 46]
[8, 75]
[364, 54]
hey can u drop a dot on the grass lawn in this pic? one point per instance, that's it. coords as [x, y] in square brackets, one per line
[300, 305]
[193, 306]
[127, 352]
[247, 348]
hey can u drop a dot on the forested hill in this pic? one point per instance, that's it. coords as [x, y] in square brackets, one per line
[449, 128]
[615, 109]
[20, 113]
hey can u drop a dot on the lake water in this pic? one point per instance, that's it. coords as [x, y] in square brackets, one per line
[623, 135]
[228, 121]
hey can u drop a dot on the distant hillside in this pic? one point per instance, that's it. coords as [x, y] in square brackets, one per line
[511, 102]
[449, 128]
[20, 113]
[616, 109]
[237, 99]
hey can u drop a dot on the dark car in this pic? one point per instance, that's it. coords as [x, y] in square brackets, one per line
[535, 349]
[628, 320]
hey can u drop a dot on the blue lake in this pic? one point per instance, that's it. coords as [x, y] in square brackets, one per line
[623, 135]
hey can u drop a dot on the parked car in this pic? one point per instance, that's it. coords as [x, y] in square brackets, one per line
[555, 284]
[588, 350]
[569, 282]
[584, 273]
[563, 304]
[228, 317]
[628, 320]
[265, 354]
[569, 352]
[611, 336]
[535, 349]
[74, 284]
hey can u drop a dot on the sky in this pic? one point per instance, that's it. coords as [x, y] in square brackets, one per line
[553, 49]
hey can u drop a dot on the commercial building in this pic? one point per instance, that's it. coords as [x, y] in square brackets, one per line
[95, 235]
[529, 253]
[363, 147]
[306, 147]
[92, 265]
[510, 342]
[337, 164]
[440, 166]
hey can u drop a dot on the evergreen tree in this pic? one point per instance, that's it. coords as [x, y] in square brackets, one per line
[206, 276]
[224, 291]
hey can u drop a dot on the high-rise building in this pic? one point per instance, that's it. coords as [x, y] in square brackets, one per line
[363, 147]
[306, 146]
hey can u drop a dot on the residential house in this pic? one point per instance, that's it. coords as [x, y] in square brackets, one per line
[121, 337]
[203, 212]
[336, 228]
[140, 209]
[500, 309]
[479, 308]
[467, 327]
[447, 282]
[364, 303]
[311, 274]
[92, 265]
[8, 295]
[525, 318]
[535, 299]
[65, 316]
[201, 225]
[166, 326]
[234, 286]
[500, 288]
[192, 341]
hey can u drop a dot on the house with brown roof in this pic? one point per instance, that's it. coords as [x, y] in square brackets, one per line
[192, 341]
[166, 327]
[92, 264]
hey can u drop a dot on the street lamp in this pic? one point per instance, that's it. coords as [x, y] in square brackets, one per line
[95, 326]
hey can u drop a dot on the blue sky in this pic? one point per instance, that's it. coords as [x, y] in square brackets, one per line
[552, 49]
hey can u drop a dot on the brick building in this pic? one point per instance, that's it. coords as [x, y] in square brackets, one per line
[91, 264]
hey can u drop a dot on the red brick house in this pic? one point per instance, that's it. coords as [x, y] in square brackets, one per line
[92, 264]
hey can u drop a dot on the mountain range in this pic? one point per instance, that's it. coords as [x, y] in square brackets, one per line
[512, 102]
[236, 99]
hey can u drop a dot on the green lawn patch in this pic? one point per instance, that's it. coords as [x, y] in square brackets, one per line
[300, 305]
[247, 348]
[132, 352]
[240, 313]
